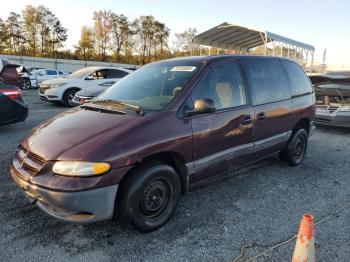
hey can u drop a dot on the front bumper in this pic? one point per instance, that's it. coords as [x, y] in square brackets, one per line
[81, 206]
[341, 119]
[48, 95]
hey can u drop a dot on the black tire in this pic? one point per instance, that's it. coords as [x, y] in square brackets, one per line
[148, 196]
[68, 97]
[26, 84]
[295, 150]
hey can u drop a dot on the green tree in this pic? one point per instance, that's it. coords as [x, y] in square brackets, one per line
[14, 27]
[31, 19]
[58, 36]
[86, 43]
[121, 32]
[3, 36]
[103, 24]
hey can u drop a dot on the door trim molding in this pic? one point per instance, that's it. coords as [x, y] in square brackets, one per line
[204, 162]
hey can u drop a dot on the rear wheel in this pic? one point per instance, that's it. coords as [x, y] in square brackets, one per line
[68, 97]
[26, 84]
[149, 196]
[295, 150]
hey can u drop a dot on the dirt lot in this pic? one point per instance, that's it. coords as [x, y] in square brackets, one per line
[260, 205]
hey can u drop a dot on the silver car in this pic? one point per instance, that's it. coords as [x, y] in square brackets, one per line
[332, 99]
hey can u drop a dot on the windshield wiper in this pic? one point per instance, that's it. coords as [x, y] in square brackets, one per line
[136, 108]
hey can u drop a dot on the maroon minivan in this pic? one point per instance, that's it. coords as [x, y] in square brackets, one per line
[161, 131]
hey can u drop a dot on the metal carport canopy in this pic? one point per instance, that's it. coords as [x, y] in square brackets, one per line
[230, 36]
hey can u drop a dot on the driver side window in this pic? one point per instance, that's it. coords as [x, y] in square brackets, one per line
[99, 74]
[223, 85]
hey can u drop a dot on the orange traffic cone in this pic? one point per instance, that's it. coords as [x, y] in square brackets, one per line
[305, 246]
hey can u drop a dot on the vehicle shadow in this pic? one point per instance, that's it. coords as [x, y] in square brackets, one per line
[333, 129]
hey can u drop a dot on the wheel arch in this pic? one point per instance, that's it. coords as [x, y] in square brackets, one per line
[303, 123]
[68, 89]
[173, 159]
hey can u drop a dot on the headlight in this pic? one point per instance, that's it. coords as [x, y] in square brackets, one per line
[80, 168]
[345, 108]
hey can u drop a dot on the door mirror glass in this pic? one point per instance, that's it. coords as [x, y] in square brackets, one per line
[202, 106]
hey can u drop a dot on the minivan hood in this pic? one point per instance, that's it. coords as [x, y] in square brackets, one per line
[79, 134]
[58, 80]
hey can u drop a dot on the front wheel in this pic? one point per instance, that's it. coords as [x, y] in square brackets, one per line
[149, 196]
[295, 150]
[68, 98]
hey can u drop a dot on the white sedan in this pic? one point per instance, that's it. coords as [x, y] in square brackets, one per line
[63, 89]
[40, 75]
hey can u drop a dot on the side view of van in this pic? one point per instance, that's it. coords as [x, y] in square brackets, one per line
[161, 131]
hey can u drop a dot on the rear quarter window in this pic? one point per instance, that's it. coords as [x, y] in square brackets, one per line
[299, 82]
[116, 73]
[267, 79]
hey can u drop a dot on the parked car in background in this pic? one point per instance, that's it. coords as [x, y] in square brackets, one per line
[40, 75]
[24, 76]
[332, 99]
[8, 73]
[30, 69]
[63, 89]
[85, 95]
[15, 74]
[166, 128]
[12, 105]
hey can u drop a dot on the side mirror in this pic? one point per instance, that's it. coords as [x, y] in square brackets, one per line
[41, 74]
[89, 78]
[202, 106]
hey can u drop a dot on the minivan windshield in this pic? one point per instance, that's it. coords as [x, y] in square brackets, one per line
[153, 86]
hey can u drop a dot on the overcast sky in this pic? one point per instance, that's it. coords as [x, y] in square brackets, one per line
[320, 23]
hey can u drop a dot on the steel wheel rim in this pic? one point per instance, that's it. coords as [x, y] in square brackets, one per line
[155, 198]
[299, 148]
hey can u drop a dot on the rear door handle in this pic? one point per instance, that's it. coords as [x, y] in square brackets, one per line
[262, 116]
[246, 120]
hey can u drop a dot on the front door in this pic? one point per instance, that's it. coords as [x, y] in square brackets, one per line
[221, 139]
[96, 78]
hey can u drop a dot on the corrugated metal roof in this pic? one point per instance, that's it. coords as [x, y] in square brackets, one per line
[229, 36]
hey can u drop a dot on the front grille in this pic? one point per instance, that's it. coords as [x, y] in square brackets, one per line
[333, 109]
[28, 161]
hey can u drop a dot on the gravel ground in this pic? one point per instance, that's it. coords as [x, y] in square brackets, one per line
[262, 204]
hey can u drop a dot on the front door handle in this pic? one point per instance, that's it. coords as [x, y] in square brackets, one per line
[262, 116]
[247, 120]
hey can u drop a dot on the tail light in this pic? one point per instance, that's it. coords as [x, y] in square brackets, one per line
[81, 100]
[11, 93]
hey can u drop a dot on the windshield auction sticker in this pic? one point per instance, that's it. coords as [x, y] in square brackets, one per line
[183, 69]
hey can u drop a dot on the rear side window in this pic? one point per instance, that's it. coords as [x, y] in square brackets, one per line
[223, 84]
[112, 73]
[268, 80]
[51, 72]
[299, 82]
